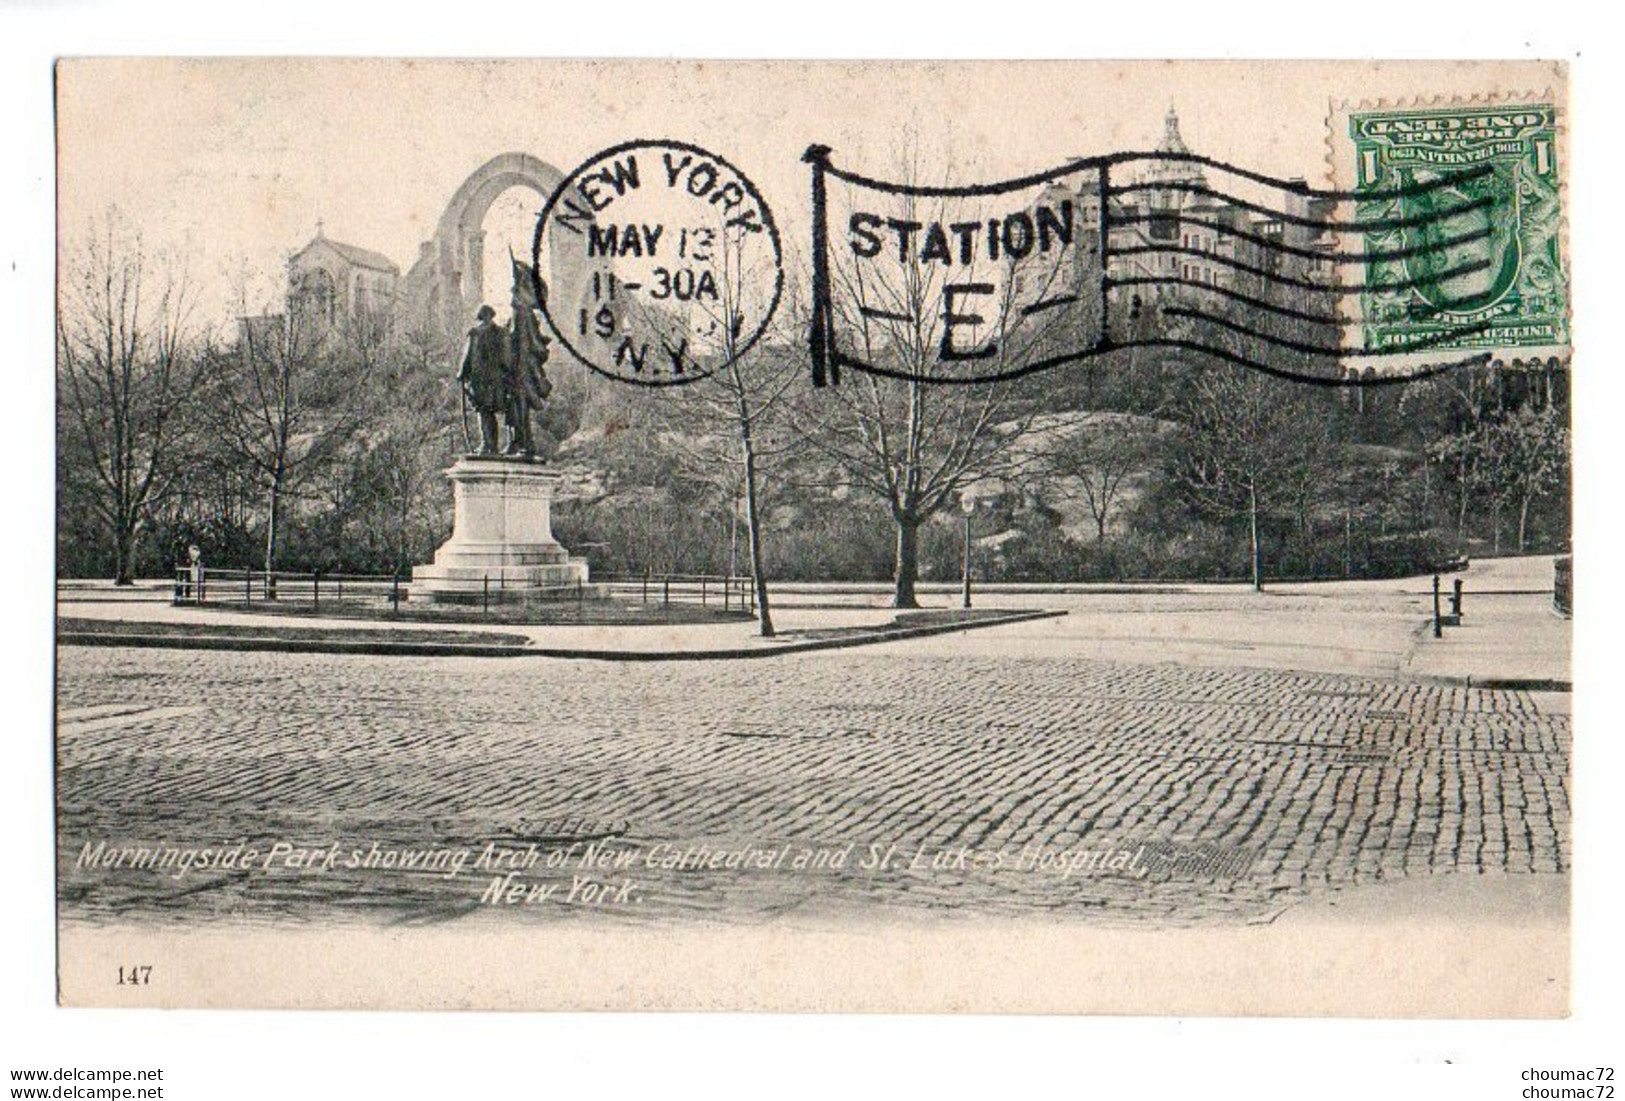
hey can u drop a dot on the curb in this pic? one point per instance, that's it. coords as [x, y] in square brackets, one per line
[443, 649]
[1499, 684]
[288, 645]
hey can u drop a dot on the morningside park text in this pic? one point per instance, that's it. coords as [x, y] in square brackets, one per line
[504, 873]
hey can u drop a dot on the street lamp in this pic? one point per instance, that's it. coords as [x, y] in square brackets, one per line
[967, 505]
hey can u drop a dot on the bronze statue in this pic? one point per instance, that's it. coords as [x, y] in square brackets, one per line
[482, 376]
[502, 370]
[526, 382]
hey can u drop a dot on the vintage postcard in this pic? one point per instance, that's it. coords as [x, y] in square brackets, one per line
[1082, 537]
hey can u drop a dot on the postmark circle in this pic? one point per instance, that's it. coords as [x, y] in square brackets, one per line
[665, 260]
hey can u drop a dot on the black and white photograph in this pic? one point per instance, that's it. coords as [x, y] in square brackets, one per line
[701, 513]
[1061, 540]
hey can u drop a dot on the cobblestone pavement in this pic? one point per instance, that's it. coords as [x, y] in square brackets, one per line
[814, 786]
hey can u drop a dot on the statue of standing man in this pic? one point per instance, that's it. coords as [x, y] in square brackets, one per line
[483, 376]
[502, 370]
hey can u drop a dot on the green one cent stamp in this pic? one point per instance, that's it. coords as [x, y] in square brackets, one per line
[1479, 250]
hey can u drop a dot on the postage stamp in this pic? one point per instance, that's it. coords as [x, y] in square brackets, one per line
[1484, 247]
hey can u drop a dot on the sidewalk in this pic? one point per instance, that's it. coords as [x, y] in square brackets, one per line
[126, 612]
[1509, 636]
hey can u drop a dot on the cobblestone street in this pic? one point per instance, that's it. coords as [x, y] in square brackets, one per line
[905, 782]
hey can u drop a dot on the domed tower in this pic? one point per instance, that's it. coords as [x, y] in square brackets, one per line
[1174, 142]
[1179, 175]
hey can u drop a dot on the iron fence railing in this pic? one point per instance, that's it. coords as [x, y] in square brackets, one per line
[320, 589]
[730, 592]
[317, 588]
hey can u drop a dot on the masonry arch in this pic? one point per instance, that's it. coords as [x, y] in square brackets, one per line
[447, 280]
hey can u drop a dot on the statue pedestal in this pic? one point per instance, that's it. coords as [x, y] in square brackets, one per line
[502, 541]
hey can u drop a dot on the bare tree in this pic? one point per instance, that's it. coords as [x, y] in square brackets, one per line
[916, 447]
[723, 426]
[1449, 413]
[1250, 442]
[128, 367]
[412, 432]
[1499, 452]
[292, 396]
[1523, 457]
[909, 435]
[725, 429]
[1099, 455]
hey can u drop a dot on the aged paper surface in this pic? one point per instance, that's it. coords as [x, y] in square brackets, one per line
[1141, 786]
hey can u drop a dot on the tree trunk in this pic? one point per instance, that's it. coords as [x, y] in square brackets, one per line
[1348, 540]
[1252, 530]
[1523, 525]
[124, 555]
[1425, 519]
[1461, 513]
[908, 562]
[753, 529]
[274, 508]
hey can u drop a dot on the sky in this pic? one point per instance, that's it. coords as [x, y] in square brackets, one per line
[231, 162]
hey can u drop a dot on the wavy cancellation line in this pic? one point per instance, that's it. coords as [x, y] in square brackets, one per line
[1282, 248]
[1422, 344]
[825, 344]
[1106, 162]
[1264, 304]
[1338, 381]
[1320, 287]
[1251, 301]
[1329, 225]
[1196, 345]
[1299, 187]
[1477, 359]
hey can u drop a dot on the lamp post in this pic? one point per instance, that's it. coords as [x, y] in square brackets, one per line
[967, 505]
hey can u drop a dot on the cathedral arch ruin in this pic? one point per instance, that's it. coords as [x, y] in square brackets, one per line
[445, 285]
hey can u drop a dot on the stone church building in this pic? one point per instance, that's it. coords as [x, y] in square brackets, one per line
[329, 280]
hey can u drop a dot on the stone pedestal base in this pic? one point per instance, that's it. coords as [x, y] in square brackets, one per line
[502, 536]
